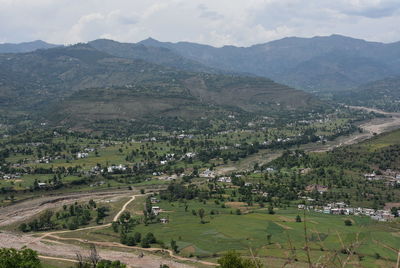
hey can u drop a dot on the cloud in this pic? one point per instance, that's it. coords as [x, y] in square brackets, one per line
[206, 13]
[213, 22]
[371, 8]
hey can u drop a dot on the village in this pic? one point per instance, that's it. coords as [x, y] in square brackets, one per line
[341, 208]
[389, 177]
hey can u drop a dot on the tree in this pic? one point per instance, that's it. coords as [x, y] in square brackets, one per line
[94, 256]
[101, 214]
[115, 226]
[81, 262]
[23, 227]
[395, 211]
[151, 238]
[24, 258]
[298, 218]
[138, 237]
[130, 240]
[174, 246]
[147, 240]
[234, 260]
[269, 238]
[201, 213]
[110, 264]
[271, 210]
[348, 222]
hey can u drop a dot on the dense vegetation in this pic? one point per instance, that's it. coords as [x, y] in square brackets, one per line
[25, 258]
[83, 88]
[382, 94]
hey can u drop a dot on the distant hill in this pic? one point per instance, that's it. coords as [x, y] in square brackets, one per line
[80, 85]
[322, 63]
[25, 47]
[158, 55]
[382, 94]
[313, 64]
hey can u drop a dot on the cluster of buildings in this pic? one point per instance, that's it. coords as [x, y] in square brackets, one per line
[167, 158]
[112, 169]
[225, 179]
[317, 187]
[207, 174]
[389, 177]
[156, 210]
[47, 159]
[82, 155]
[10, 176]
[85, 153]
[341, 208]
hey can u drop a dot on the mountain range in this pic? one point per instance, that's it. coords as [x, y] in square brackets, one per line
[25, 47]
[79, 85]
[329, 63]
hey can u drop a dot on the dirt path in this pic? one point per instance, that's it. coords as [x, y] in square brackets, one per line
[370, 128]
[380, 125]
[52, 234]
[29, 208]
[119, 245]
[124, 207]
[67, 252]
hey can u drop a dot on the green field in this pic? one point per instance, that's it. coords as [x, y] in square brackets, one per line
[369, 241]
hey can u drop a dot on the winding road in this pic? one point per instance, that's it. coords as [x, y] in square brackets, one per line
[66, 252]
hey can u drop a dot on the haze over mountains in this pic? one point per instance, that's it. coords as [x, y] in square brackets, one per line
[79, 85]
[313, 64]
[24, 47]
[108, 80]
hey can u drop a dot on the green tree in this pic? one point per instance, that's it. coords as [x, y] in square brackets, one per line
[115, 226]
[138, 237]
[348, 222]
[271, 210]
[234, 260]
[23, 227]
[110, 264]
[174, 246]
[269, 239]
[201, 213]
[24, 258]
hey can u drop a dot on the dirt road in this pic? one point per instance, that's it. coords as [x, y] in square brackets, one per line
[57, 249]
[67, 252]
[29, 208]
[376, 125]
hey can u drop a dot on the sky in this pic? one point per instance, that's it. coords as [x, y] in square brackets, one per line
[213, 22]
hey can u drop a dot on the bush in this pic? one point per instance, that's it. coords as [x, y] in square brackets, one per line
[110, 264]
[348, 222]
[25, 258]
[234, 260]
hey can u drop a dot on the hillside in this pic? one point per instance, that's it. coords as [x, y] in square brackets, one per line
[158, 55]
[319, 63]
[382, 94]
[327, 63]
[25, 47]
[79, 85]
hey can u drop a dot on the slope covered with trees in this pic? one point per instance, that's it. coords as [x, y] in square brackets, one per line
[80, 84]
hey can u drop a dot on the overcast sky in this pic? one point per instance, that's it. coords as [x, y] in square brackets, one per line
[214, 22]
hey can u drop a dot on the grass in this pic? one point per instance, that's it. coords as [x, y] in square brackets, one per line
[225, 232]
[47, 263]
